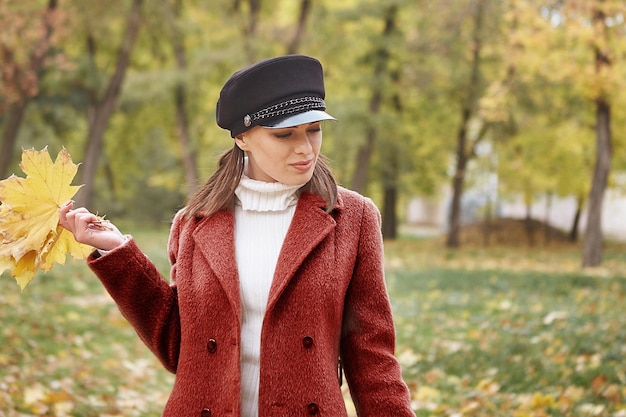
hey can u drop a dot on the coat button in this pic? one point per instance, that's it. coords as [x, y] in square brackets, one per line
[312, 409]
[211, 346]
[206, 413]
[307, 342]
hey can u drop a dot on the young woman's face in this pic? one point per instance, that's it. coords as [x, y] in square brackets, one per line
[284, 155]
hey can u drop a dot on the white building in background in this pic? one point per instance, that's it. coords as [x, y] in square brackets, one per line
[560, 213]
[429, 215]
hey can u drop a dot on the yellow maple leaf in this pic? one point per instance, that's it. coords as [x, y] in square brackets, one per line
[30, 235]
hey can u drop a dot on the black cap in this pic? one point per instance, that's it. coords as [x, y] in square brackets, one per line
[278, 92]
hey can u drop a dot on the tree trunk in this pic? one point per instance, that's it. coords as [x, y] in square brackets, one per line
[250, 29]
[547, 234]
[390, 172]
[184, 138]
[17, 110]
[15, 115]
[462, 153]
[104, 108]
[593, 240]
[305, 9]
[454, 221]
[364, 154]
[573, 233]
[530, 228]
[359, 180]
[190, 165]
[390, 205]
[487, 223]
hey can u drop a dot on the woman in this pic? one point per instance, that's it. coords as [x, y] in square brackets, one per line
[277, 280]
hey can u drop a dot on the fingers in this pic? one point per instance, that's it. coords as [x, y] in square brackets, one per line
[63, 213]
[80, 220]
[89, 229]
[74, 220]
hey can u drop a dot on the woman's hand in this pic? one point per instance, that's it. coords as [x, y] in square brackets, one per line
[89, 229]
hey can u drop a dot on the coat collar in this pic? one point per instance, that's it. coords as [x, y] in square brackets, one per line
[309, 226]
[214, 236]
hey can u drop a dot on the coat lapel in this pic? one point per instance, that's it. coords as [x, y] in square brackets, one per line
[214, 237]
[309, 226]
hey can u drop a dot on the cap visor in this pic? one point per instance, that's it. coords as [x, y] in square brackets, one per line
[300, 119]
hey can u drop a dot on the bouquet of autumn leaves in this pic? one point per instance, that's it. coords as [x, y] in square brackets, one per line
[30, 235]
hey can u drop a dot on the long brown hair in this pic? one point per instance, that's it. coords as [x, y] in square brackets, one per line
[219, 191]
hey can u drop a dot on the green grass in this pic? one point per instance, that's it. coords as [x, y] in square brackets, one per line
[500, 336]
[481, 332]
[522, 339]
[65, 350]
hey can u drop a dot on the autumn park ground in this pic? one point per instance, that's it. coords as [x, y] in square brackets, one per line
[508, 330]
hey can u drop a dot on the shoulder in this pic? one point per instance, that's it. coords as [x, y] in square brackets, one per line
[179, 219]
[359, 220]
[177, 224]
[351, 200]
[182, 225]
[357, 207]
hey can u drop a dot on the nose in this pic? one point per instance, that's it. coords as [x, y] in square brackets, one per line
[303, 144]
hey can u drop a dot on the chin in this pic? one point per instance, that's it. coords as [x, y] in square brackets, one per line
[299, 180]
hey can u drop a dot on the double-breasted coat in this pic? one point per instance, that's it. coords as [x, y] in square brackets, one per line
[328, 303]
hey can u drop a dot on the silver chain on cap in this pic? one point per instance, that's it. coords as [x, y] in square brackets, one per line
[296, 105]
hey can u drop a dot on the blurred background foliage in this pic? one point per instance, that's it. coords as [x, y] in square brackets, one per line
[429, 95]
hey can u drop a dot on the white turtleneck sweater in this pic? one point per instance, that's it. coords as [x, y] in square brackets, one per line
[263, 214]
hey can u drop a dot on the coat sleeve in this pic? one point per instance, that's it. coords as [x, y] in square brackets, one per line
[368, 334]
[144, 297]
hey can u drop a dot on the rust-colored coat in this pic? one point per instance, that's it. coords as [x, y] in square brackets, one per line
[328, 300]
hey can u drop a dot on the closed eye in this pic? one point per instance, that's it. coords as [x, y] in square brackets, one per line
[312, 128]
[282, 135]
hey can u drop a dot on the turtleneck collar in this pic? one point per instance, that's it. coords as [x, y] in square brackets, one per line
[265, 196]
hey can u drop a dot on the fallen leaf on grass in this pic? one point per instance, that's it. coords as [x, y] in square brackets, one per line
[554, 316]
[29, 216]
